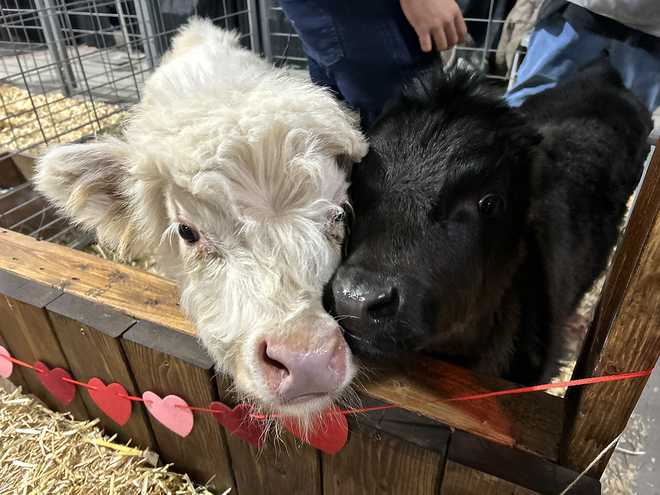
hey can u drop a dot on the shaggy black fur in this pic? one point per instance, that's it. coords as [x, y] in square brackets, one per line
[479, 227]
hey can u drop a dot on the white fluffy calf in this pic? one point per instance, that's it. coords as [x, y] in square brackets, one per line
[235, 172]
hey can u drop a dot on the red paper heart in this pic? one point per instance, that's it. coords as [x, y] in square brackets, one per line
[6, 366]
[171, 411]
[237, 421]
[62, 391]
[329, 434]
[108, 399]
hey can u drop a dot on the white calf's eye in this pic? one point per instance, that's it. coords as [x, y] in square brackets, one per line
[188, 234]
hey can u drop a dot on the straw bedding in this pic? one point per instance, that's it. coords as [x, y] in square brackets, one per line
[44, 452]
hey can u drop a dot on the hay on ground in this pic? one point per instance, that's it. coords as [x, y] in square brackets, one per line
[48, 452]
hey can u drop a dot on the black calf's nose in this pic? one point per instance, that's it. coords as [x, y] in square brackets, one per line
[359, 294]
[382, 304]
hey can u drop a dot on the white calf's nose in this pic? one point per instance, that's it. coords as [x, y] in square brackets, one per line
[296, 373]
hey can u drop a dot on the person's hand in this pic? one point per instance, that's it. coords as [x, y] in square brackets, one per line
[437, 20]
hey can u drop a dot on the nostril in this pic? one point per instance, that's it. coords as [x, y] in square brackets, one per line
[271, 361]
[384, 304]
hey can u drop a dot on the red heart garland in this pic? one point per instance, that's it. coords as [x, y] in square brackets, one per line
[171, 411]
[329, 434]
[52, 381]
[237, 421]
[108, 399]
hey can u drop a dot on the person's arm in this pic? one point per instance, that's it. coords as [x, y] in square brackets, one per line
[435, 21]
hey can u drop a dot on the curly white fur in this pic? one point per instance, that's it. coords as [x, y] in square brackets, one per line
[250, 156]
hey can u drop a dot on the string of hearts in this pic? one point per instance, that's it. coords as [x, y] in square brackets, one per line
[174, 413]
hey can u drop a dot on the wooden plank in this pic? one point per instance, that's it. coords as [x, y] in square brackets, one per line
[25, 163]
[8, 285]
[16, 377]
[30, 337]
[625, 335]
[203, 454]
[378, 464]
[462, 480]
[520, 468]
[532, 422]
[141, 295]
[281, 465]
[172, 343]
[405, 425]
[88, 336]
[11, 175]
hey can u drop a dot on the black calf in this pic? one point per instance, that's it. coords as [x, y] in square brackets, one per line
[479, 227]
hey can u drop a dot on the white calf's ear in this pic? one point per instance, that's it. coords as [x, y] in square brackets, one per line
[87, 182]
[344, 137]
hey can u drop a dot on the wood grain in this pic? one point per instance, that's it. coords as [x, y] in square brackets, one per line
[522, 469]
[282, 465]
[93, 353]
[16, 377]
[30, 337]
[378, 464]
[11, 175]
[404, 425]
[531, 422]
[203, 454]
[138, 294]
[625, 334]
[462, 480]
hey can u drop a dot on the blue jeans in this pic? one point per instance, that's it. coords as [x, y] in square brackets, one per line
[559, 47]
[363, 50]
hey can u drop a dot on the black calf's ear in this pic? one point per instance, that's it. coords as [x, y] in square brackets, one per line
[518, 135]
[423, 85]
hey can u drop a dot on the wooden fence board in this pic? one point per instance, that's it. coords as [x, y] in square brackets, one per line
[532, 422]
[463, 480]
[203, 454]
[282, 465]
[379, 464]
[141, 295]
[88, 335]
[522, 469]
[625, 335]
[30, 337]
[16, 377]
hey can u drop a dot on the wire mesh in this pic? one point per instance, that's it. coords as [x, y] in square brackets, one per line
[69, 69]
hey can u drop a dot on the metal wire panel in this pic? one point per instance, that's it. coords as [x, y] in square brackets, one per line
[69, 69]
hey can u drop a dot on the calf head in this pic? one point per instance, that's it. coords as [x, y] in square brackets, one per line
[232, 171]
[441, 203]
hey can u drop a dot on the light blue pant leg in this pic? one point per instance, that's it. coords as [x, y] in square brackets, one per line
[640, 71]
[556, 50]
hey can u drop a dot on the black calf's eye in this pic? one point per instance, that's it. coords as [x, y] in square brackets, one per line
[188, 234]
[491, 205]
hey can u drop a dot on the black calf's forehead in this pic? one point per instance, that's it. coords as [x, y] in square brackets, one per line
[410, 163]
[441, 129]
